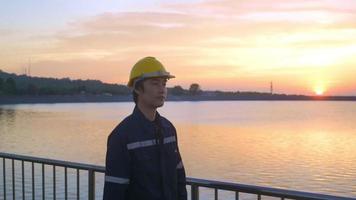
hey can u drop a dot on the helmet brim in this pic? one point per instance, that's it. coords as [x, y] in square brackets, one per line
[167, 75]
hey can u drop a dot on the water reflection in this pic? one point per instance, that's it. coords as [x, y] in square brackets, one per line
[298, 145]
[7, 116]
[288, 159]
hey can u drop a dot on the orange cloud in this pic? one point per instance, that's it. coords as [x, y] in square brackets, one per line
[220, 44]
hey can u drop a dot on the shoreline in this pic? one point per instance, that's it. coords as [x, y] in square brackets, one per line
[33, 99]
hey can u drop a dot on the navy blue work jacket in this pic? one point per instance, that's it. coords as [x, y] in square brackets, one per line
[143, 161]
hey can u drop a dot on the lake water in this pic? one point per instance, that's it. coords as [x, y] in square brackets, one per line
[299, 145]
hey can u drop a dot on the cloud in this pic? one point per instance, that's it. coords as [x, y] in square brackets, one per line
[232, 7]
[206, 41]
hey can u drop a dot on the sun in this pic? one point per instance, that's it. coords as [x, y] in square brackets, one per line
[319, 90]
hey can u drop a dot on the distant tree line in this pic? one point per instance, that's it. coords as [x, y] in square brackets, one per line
[12, 84]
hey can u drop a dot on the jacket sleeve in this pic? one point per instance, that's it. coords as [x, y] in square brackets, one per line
[181, 178]
[117, 172]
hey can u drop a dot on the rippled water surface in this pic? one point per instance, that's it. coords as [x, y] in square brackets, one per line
[308, 146]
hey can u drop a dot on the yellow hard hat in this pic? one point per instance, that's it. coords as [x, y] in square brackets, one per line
[147, 67]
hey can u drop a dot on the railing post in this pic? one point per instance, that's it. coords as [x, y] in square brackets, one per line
[13, 178]
[91, 184]
[4, 176]
[195, 192]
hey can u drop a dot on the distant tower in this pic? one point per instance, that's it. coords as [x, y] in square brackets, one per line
[271, 87]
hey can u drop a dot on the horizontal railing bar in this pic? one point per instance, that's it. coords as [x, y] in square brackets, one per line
[267, 191]
[251, 189]
[54, 162]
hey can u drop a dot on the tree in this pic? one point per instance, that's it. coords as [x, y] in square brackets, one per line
[32, 89]
[10, 86]
[177, 90]
[195, 89]
[82, 89]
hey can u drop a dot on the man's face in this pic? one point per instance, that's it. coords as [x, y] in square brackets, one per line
[154, 92]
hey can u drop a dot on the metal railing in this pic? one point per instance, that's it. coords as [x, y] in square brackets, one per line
[92, 170]
[54, 164]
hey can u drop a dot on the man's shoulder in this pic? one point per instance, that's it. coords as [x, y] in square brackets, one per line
[123, 128]
[166, 122]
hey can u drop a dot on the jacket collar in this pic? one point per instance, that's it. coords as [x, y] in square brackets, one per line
[137, 113]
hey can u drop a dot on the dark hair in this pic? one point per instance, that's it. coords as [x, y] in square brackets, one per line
[138, 86]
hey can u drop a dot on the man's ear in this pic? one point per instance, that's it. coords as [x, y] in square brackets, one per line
[138, 90]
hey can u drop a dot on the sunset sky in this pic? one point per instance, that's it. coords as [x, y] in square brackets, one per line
[303, 46]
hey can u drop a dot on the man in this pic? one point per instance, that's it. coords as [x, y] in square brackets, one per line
[143, 160]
